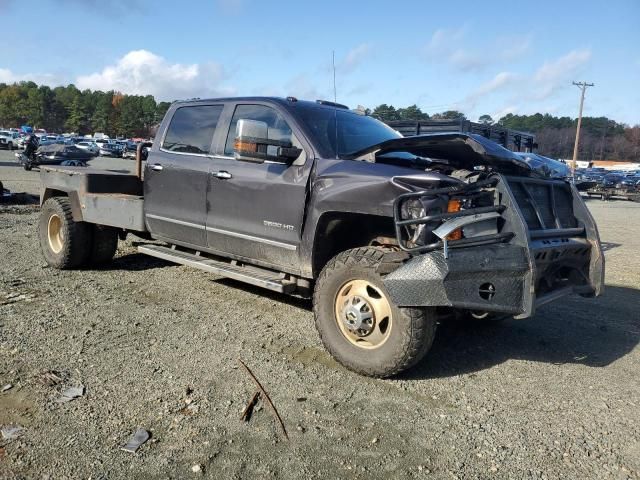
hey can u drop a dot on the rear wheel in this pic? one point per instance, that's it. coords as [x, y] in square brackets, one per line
[65, 243]
[358, 322]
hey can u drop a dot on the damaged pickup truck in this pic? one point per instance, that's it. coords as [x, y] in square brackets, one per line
[385, 233]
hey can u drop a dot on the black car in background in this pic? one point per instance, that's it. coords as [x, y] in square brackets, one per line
[612, 180]
[630, 182]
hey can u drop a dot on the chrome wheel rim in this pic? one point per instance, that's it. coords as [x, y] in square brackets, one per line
[363, 314]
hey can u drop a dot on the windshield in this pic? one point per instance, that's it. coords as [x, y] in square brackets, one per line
[354, 131]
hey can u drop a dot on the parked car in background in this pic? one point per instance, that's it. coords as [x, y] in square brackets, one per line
[8, 139]
[57, 152]
[89, 146]
[100, 141]
[612, 180]
[110, 150]
[630, 182]
[130, 149]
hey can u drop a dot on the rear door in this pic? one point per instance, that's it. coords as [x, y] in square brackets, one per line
[177, 176]
[256, 210]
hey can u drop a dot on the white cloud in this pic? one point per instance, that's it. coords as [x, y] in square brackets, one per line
[7, 76]
[517, 46]
[442, 39]
[353, 58]
[466, 61]
[301, 86]
[498, 114]
[452, 47]
[556, 74]
[563, 66]
[500, 81]
[142, 72]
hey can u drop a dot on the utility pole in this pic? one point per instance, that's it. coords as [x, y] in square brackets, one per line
[583, 87]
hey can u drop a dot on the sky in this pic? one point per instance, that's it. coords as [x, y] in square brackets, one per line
[493, 57]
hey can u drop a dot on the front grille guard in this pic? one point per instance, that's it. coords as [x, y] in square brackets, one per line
[467, 190]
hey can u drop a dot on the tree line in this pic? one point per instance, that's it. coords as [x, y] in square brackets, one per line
[600, 137]
[68, 109]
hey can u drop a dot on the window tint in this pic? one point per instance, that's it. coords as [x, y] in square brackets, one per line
[191, 129]
[278, 129]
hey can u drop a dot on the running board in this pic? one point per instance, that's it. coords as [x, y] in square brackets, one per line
[249, 274]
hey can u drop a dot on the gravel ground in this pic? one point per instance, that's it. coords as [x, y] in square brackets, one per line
[156, 346]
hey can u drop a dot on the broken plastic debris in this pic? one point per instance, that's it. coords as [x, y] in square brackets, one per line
[11, 433]
[8, 386]
[136, 440]
[50, 378]
[71, 394]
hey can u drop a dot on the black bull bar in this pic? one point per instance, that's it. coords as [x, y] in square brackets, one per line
[522, 266]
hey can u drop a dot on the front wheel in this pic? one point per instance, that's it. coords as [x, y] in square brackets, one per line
[358, 322]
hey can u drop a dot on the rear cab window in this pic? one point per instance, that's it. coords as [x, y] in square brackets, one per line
[191, 129]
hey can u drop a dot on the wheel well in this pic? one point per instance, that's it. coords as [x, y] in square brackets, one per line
[339, 231]
[51, 192]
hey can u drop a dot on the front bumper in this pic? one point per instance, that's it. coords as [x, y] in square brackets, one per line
[511, 274]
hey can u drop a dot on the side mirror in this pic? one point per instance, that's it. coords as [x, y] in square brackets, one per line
[252, 144]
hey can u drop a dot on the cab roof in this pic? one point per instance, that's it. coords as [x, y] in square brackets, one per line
[288, 102]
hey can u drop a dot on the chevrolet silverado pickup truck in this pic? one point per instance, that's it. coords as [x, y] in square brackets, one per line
[385, 233]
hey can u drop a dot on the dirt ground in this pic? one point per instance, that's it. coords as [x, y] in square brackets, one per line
[157, 346]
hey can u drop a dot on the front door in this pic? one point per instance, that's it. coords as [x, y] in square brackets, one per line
[177, 176]
[256, 210]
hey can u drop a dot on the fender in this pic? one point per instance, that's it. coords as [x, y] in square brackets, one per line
[359, 188]
[74, 199]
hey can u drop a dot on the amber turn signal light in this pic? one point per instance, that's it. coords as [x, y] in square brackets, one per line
[454, 205]
[245, 146]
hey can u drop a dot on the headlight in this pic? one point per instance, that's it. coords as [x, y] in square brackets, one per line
[413, 209]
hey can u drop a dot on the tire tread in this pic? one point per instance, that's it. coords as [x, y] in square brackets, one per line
[422, 322]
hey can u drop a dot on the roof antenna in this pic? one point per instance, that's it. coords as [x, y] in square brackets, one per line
[335, 100]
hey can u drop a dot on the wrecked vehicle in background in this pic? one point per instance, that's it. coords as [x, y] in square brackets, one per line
[54, 154]
[385, 233]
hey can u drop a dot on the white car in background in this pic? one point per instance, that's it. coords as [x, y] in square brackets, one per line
[8, 139]
[89, 146]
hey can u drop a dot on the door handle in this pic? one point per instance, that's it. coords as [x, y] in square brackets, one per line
[156, 167]
[222, 174]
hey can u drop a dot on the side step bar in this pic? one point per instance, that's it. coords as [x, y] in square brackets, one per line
[248, 274]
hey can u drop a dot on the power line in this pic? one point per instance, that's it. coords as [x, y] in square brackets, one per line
[583, 88]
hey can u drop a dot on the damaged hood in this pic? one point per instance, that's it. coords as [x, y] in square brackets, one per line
[457, 149]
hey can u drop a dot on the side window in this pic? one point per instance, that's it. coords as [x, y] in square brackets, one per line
[191, 129]
[278, 129]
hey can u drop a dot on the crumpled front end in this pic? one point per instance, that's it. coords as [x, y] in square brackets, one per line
[502, 244]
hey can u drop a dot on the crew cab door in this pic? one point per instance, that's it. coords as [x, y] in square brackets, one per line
[256, 210]
[176, 177]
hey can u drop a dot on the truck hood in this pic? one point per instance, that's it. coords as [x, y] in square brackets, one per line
[457, 149]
